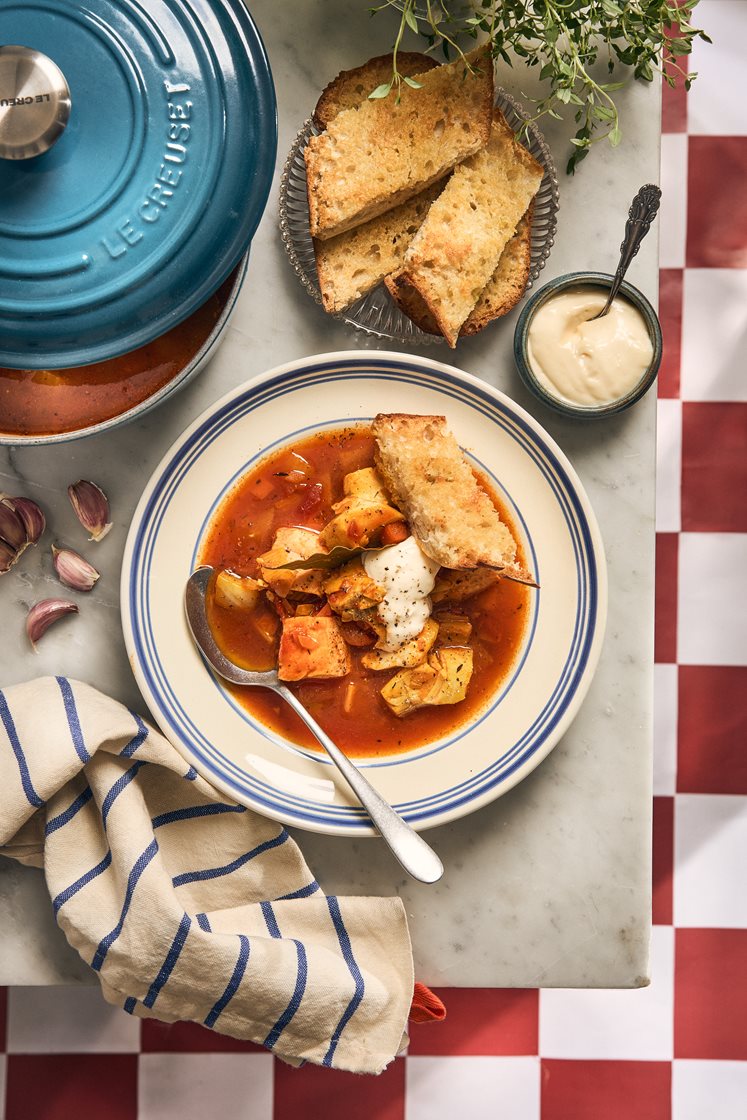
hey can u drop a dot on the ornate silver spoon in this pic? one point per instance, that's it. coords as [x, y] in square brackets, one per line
[642, 212]
[411, 850]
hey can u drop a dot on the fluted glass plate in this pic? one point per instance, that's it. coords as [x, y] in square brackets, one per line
[376, 313]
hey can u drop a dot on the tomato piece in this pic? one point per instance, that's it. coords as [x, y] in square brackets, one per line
[311, 500]
[394, 533]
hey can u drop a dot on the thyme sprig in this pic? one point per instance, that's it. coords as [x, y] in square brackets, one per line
[565, 39]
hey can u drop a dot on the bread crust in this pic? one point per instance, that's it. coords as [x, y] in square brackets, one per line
[351, 87]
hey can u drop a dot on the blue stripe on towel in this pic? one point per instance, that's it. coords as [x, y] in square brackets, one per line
[191, 774]
[106, 942]
[270, 920]
[195, 811]
[67, 894]
[203, 923]
[355, 972]
[295, 1000]
[171, 958]
[137, 740]
[28, 788]
[67, 814]
[129, 1004]
[302, 892]
[216, 872]
[233, 983]
[73, 721]
[119, 785]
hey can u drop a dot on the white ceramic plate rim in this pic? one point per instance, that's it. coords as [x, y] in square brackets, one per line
[477, 791]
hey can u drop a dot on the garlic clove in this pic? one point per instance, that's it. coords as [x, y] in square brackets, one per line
[44, 613]
[32, 516]
[73, 570]
[91, 506]
[12, 527]
[8, 557]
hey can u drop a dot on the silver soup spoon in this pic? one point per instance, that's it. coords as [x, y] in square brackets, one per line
[411, 850]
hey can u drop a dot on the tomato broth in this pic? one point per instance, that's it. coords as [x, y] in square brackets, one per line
[297, 486]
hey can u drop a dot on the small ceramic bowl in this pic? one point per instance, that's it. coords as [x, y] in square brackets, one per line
[601, 280]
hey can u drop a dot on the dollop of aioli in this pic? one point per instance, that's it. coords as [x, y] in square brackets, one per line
[408, 576]
[585, 362]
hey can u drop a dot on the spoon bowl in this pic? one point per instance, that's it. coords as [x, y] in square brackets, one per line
[412, 852]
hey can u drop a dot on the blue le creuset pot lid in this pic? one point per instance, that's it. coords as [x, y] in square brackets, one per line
[137, 147]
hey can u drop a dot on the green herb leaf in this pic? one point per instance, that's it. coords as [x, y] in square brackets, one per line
[564, 39]
[324, 561]
[381, 91]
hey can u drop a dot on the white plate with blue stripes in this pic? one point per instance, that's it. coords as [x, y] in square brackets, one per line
[535, 702]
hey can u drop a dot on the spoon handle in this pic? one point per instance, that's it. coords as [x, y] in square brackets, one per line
[417, 857]
[642, 212]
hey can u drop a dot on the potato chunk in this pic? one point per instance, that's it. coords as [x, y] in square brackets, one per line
[291, 544]
[237, 592]
[312, 648]
[443, 680]
[412, 653]
[453, 629]
[363, 487]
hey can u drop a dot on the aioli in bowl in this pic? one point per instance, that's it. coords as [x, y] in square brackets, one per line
[578, 364]
[587, 360]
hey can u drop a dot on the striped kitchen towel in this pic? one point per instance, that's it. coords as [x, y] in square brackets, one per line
[188, 906]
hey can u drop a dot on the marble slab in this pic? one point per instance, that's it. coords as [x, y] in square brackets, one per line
[549, 885]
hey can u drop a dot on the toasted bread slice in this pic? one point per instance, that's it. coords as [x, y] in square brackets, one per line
[351, 87]
[373, 158]
[457, 249]
[431, 481]
[508, 283]
[354, 262]
[501, 294]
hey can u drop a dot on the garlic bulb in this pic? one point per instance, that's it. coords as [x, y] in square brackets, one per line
[21, 524]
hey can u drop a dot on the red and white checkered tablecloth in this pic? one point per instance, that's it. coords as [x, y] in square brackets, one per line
[678, 1049]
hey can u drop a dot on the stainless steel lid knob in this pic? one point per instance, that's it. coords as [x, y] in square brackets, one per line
[34, 102]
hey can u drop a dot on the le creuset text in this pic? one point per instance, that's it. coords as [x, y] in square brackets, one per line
[129, 231]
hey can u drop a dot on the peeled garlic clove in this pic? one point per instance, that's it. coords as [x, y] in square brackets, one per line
[32, 516]
[92, 508]
[12, 527]
[44, 613]
[73, 570]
